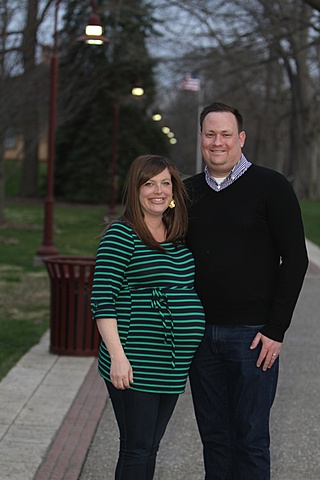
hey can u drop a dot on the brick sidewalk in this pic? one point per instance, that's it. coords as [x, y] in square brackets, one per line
[69, 448]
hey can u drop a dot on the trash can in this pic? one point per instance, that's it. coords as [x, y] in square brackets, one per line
[73, 332]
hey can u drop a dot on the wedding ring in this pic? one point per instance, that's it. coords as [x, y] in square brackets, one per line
[274, 355]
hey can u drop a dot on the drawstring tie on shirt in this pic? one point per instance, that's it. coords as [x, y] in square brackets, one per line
[159, 302]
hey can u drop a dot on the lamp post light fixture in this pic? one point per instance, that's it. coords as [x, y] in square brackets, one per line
[137, 91]
[156, 117]
[165, 130]
[94, 36]
[172, 139]
[93, 32]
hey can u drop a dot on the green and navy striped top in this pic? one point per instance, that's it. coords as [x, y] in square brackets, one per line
[159, 315]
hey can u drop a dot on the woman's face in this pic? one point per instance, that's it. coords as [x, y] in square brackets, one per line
[156, 194]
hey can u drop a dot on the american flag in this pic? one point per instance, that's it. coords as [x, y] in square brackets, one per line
[190, 82]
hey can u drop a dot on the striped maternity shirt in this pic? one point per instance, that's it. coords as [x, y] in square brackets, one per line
[159, 315]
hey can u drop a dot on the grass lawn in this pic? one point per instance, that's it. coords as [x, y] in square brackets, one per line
[311, 219]
[24, 288]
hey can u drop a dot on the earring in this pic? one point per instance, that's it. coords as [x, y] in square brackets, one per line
[172, 204]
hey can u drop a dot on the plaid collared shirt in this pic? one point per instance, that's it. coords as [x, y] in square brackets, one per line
[239, 169]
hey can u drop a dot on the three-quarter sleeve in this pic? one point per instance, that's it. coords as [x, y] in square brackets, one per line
[113, 256]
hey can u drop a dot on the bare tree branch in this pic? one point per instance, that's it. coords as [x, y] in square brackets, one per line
[313, 3]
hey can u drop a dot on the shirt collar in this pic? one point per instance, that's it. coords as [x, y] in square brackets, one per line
[239, 169]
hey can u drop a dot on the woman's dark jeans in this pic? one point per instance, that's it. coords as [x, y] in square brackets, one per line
[142, 419]
[232, 399]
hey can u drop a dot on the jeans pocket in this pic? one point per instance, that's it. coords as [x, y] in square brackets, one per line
[254, 326]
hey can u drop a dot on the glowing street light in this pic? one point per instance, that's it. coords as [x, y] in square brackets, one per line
[93, 32]
[137, 91]
[165, 130]
[156, 117]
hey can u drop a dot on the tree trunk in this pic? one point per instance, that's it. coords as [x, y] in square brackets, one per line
[4, 21]
[2, 213]
[305, 124]
[29, 173]
[29, 177]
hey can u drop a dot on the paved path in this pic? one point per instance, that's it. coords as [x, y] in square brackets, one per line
[295, 423]
[34, 399]
[56, 424]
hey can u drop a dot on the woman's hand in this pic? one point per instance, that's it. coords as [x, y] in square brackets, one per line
[121, 373]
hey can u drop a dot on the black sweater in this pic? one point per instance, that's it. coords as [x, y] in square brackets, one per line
[249, 248]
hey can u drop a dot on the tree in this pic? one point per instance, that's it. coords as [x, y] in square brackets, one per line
[263, 57]
[95, 85]
[29, 177]
[28, 49]
[10, 93]
[20, 26]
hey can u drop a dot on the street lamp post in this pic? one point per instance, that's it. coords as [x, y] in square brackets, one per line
[94, 36]
[112, 204]
[47, 248]
[136, 91]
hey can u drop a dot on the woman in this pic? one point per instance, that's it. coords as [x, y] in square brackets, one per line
[148, 314]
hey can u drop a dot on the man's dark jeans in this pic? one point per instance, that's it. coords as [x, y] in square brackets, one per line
[232, 399]
[142, 419]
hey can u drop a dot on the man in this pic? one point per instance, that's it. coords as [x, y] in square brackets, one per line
[246, 234]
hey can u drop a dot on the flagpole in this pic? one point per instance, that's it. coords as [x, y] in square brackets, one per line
[192, 83]
[198, 154]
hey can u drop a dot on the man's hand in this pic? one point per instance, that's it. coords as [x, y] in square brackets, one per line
[270, 350]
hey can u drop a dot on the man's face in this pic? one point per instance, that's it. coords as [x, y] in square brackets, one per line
[221, 143]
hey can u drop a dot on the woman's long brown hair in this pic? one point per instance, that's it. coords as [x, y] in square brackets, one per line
[141, 170]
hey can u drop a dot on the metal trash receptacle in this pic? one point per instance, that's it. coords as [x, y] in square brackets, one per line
[72, 330]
